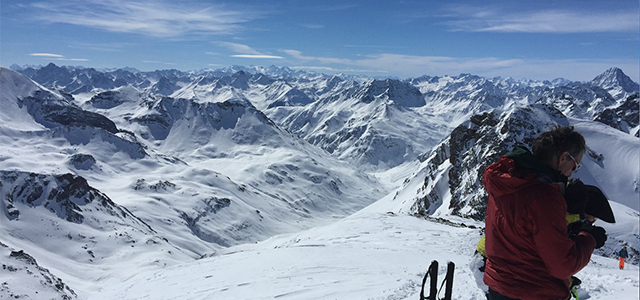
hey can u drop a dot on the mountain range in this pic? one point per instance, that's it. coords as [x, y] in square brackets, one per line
[104, 167]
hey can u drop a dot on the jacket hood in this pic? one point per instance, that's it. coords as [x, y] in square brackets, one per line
[526, 162]
[516, 170]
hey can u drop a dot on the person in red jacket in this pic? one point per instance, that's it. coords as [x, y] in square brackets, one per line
[529, 252]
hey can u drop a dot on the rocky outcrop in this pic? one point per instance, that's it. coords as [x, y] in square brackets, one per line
[66, 195]
[26, 279]
[472, 147]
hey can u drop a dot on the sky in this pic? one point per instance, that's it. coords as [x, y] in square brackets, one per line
[573, 39]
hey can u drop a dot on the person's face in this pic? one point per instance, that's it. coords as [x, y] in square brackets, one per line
[567, 164]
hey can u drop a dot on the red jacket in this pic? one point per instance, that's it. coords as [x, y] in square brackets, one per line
[529, 254]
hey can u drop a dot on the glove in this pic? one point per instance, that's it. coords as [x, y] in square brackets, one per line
[576, 227]
[599, 234]
[576, 195]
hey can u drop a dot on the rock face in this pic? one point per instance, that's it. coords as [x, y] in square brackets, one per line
[400, 93]
[472, 147]
[82, 161]
[623, 117]
[66, 196]
[24, 278]
[29, 106]
[73, 116]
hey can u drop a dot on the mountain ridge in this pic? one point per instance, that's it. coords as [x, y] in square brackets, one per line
[209, 161]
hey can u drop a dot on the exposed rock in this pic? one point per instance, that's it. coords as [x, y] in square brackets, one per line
[27, 279]
[472, 147]
[82, 161]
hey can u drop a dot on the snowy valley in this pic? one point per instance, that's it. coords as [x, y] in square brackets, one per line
[262, 183]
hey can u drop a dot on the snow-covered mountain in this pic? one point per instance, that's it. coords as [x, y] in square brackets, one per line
[122, 174]
[175, 169]
[618, 84]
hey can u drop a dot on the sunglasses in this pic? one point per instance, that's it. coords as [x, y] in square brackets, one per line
[577, 166]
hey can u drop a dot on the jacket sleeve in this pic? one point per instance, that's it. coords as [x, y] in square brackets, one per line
[562, 256]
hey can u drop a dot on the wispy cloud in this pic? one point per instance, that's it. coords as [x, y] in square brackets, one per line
[325, 60]
[476, 19]
[245, 51]
[157, 18]
[414, 66]
[102, 47]
[238, 48]
[49, 55]
[53, 56]
[157, 62]
[410, 64]
[336, 70]
[256, 56]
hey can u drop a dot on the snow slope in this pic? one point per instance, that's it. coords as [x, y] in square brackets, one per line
[369, 255]
[619, 178]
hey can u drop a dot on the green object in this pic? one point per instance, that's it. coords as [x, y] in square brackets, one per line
[574, 292]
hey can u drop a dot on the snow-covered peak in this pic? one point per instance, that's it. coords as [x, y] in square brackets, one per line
[398, 92]
[15, 89]
[15, 85]
[616, 82]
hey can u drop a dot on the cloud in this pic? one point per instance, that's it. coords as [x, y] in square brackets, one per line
[158, 18]
[244, 51]
[57, 57]
[410, 64]
[158, 62]
[474, 19]
[414, 66]
[239, 48]
[336, 70]
[102, 47]
[256, 56]
[50, 55]
[325, 60]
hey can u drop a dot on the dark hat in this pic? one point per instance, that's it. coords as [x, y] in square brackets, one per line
[598, 205]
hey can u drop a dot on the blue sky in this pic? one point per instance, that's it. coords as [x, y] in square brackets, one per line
[529, 39]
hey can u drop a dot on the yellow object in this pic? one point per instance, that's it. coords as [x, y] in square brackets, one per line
[572, 218]
[480, 247]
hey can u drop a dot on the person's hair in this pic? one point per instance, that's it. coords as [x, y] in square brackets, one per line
[551, 144]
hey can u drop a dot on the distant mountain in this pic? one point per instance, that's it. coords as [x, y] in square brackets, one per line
[291, 98]
[616, 83]
[366, 123]
[158, 168]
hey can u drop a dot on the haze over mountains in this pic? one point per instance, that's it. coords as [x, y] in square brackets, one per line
[102, 168]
